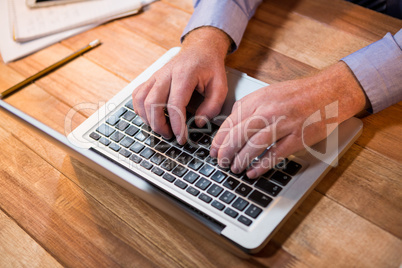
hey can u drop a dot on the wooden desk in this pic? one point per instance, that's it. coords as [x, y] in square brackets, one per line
[54, 211]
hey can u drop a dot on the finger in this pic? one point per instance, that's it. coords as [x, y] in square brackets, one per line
[154, 104]
[238, 136]
[256, 146]
[215, 94]
[139, 95]
[239, 113]
[180, 93]
[282, 149]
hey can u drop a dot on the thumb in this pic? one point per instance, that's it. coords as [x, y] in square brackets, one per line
[214, 97]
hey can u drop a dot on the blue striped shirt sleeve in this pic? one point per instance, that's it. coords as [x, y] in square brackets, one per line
[378, 68]
[231, 16]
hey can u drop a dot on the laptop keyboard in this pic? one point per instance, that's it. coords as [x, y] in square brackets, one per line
[190, 168]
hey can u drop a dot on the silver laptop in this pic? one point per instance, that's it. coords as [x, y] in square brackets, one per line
[184, 181]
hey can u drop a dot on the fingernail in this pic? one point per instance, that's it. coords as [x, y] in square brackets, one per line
[235, 170]
[213, 152]
[252, 174]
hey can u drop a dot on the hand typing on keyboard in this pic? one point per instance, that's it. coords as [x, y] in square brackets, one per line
[279, 114]
[200, 66]
[274, 114]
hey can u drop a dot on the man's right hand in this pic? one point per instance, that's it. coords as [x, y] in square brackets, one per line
[198, 66]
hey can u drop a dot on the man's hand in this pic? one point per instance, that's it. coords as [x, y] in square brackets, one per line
[198, 66]
[277, 113]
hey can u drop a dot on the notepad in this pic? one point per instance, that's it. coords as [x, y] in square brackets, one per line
[29, 24]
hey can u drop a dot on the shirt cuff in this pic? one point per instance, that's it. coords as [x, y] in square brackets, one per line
[224, 15]
[378, 69]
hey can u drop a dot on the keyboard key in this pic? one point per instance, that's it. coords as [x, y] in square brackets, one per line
[206, 170]
[253, 211]
[151, 141]
[180, 184]
[260, 198]
[227, 197]
[122, 125]
[146, 127]
[114, 147]
[215, 190]
[124, 152]
[281, 178]
[205, 198]
[243, 189]
[245, 221]
[137, 121]
[192, 191]
[240, 204]
[137, 147]
[268, 187]
[112, 120]
[168, 164]
[184, 158]
[292, 168]
[131, 130]
[173, 152]
[162, 147]
[203, 183]
[218, 205]
[231, 212]
[205, 141]
[218, 176]
[129, 115]
[156, 134]
[211, 160]
[117, 136]
[104, 141]
[231, 183]
[158, 171]
[158, 158]
[194, 136]
[95, 136]
[268, 173]
[146, 164]
[127, 142]
[105, 130]
[141, 135]
[129, 105]
[201, 153]
[282, 164]
[195, 164]
[135, 158]
[191, 177]
[237, 175]
[147, 153]
[168, 177]
[179, 171]
[248, 180]
[190, 148]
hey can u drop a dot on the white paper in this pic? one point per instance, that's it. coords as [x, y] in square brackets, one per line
[31, 23]
[11, 50]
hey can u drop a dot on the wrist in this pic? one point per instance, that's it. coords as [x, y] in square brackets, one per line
[208, 39]
[337, 83]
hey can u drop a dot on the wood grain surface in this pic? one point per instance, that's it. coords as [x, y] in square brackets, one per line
[54, 211]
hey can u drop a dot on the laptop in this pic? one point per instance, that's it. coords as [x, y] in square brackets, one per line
[232, 210]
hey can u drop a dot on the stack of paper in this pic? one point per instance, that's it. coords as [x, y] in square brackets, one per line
[25, 30]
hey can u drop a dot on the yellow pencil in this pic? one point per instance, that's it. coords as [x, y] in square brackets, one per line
[47, 70]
